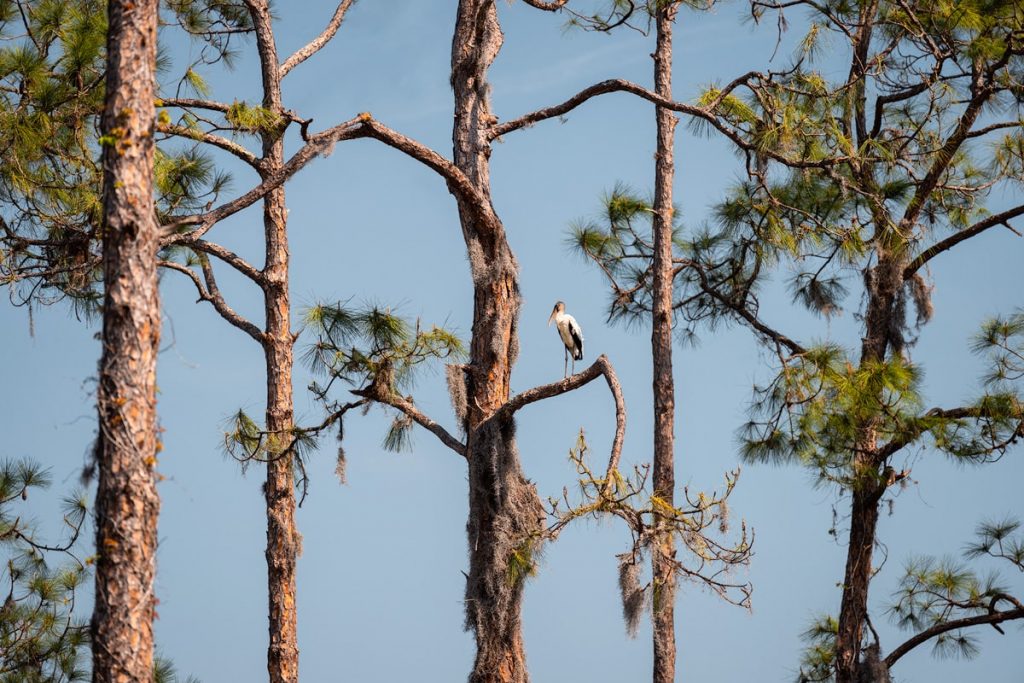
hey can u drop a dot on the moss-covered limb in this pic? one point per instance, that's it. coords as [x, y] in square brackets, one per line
[701, 525]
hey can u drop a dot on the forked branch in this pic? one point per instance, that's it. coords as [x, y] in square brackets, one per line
[600, 367]
[212, 294]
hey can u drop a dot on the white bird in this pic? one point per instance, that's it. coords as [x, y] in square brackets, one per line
[571, 334]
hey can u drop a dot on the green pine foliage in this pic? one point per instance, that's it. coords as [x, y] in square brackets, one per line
[934, 592]
[52, 64]
[51, 89]
[164, 671]
[42, 638]
[378, 354]
[371, 346]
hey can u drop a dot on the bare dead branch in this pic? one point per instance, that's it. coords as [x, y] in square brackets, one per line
[600, 367]
[212, 294]
[320, 41]
[320, 143]
[362, 126]
[706, 113]
[228, 257]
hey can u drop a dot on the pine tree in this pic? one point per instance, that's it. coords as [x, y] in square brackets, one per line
[279, 440]
[866, 180]
[41, 636]
[127, 503]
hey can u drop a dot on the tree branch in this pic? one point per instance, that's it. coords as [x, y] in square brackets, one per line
[993, 617]
[955, 239]
[228, 257]
[362, 126]
[601, 366]
[210, 139]
[383, 395]
[919, 426]
[705, 113]
[458, 183]
[212, 294]
[191, 103]
[320, 41]
[320, 143]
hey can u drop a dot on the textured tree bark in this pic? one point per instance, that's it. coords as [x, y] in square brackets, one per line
[505, 512]
[663, 476]
[854, 609]
[278, 347]
[882, 322]
[279, 490]
[127, 504]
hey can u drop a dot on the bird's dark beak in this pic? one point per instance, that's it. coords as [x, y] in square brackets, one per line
[552, 316]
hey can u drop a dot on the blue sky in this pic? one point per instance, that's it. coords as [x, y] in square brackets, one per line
[380, 582]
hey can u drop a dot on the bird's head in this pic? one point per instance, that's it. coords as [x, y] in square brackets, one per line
[559, 308]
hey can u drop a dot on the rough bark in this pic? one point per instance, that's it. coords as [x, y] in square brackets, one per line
[127, 504]
[854, 608]
[663, 475]
[279, 489]
[505, 512]
[883, 322]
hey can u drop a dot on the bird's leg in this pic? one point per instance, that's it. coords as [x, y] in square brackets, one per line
[565, 367]
[574, 365]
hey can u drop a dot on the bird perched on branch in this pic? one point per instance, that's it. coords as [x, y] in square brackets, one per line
[571, 334]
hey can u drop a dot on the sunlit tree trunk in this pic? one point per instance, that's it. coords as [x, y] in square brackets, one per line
[278, 347]
[127, 504]
[663, 476]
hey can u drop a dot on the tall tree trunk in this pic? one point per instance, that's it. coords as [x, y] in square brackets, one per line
[279, 490]
[127, 504]
[505, 512]
[854, 609]
[883, 322]
[663, 612]
[278, 346]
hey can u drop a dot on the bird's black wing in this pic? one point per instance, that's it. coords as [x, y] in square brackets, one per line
[577, 342]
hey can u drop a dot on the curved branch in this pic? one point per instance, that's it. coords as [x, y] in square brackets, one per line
[705, 113]
[601, 366]
[382, 395]
[993, 617]
[458, 183]
[230, 258]
[212, 294]
[321, 143]
[744, 313]
[317, 43]
[362, 126]
[955, 239]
